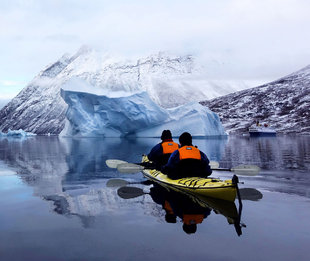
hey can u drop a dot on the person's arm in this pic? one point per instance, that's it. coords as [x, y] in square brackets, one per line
[205, 163]
[156, 151]
[172, 163]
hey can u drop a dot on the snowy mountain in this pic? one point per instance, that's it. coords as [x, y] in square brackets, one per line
[284, 104]
[169, 81]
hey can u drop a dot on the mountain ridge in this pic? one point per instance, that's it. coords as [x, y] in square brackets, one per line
[283, 104]
[170, 81]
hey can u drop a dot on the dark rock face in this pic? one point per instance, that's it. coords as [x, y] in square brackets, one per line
[283, 104]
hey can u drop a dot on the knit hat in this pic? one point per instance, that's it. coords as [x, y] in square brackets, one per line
[166, 135]
[185, 139]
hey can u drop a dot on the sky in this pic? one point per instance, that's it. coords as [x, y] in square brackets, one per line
[237, 39]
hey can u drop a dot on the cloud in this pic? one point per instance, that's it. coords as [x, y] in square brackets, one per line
[10, 88]
[252, 39]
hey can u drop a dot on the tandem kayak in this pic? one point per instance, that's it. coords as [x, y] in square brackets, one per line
[209, 187]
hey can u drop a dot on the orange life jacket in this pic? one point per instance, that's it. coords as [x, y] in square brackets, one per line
[190, 219]
[169, 147]
[167, 207]
[189, 152]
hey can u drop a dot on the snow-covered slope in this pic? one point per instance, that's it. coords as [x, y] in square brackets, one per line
[284, 104]
[91, 115]
[169, 80]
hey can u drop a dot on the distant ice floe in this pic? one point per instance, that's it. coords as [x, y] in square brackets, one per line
[17, 133]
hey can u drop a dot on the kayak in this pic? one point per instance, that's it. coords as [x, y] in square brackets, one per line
[209, 187]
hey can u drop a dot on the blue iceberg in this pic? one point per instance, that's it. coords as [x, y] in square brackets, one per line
[17, 133]
[93, 115]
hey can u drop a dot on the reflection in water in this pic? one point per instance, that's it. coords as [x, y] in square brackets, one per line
[191, 209]
[72, 172]
[284, 160]
[71, 177]
[270, 153]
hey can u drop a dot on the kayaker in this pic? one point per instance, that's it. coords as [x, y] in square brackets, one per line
[161, 152]
[187, 161]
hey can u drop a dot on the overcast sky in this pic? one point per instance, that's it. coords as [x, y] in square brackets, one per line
[262, 39]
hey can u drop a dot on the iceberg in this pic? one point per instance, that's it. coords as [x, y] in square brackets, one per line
[17, 133]
[132, 114]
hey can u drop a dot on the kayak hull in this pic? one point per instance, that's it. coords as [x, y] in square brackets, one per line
[209, 187]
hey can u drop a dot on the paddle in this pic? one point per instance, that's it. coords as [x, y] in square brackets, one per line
[122, 182]
[250, 194]
[113, 163]
[243, 170]
[235, 180]
[125, 167]
[133, 192]
[130, 192]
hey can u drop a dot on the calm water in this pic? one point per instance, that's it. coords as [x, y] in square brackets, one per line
[56, 205]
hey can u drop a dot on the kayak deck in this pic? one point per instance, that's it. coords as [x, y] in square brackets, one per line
[210, 187]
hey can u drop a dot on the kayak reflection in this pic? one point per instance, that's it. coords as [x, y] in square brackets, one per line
[190, 209]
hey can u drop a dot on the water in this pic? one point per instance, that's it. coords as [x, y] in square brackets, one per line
[56, 205]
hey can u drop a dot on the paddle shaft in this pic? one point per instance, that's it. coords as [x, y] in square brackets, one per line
[125, 167]
[150, 167]
[222, 169]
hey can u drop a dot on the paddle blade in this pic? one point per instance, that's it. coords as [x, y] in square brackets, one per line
[250, 194]
[112, 163]
[129, 168]
[130, 192]
[116, 183]
[214, 164]
[246, 170]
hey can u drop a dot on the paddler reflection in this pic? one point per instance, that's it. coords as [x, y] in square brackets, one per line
[177, 205]
[189, 209]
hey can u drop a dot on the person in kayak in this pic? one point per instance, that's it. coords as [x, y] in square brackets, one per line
[161, 152]
[187, 161]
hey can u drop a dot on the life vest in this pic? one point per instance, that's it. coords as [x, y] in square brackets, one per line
[167, 207]
[169, 147]
[190, 219]
[189, 152]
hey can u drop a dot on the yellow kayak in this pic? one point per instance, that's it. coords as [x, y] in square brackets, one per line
[209, 187]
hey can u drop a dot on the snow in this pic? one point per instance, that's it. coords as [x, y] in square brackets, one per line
[162, 75]
[282, 104]
[169, 80]
[77, 85]
[111, 115]
[16, 133]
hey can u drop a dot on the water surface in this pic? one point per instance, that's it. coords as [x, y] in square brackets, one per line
[55, 203]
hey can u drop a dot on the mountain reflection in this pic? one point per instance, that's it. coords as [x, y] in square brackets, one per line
[72, 174]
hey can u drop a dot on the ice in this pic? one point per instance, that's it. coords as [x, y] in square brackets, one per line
[16, 133]
[170, 80]
[110, 115]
